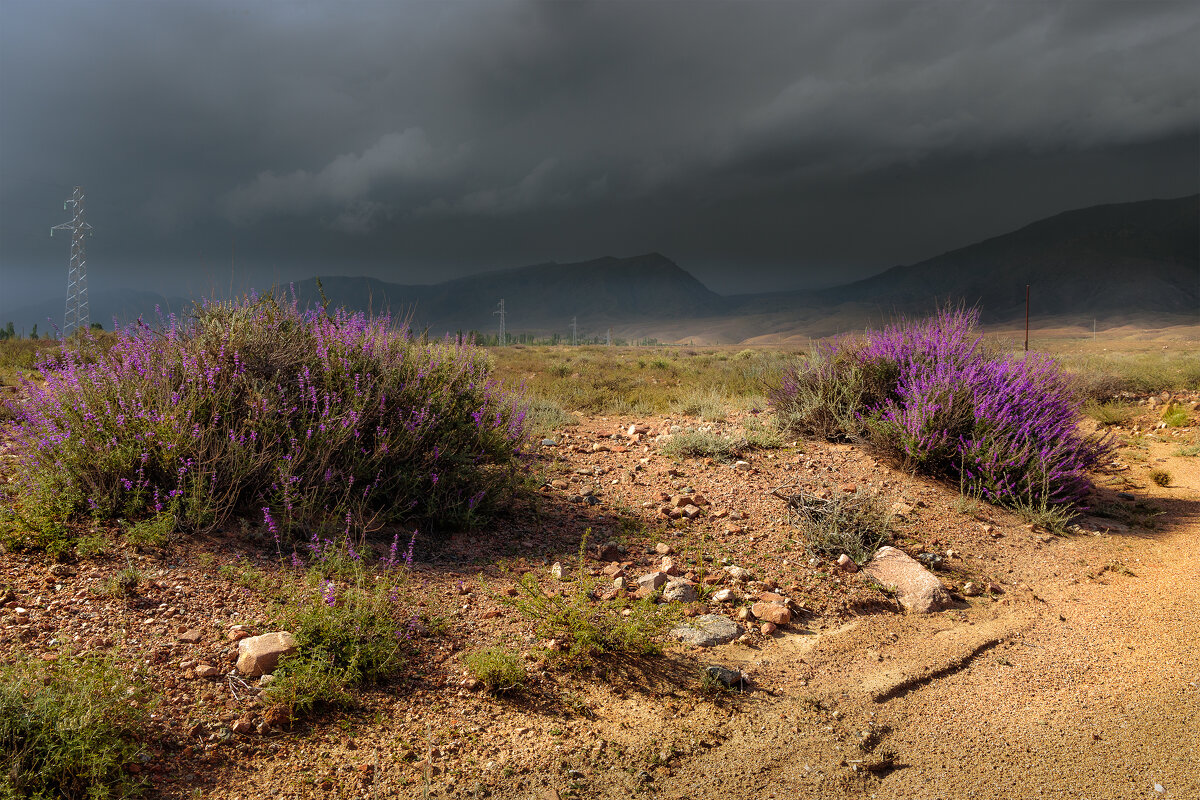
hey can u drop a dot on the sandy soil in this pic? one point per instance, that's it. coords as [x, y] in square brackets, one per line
[1079, 679]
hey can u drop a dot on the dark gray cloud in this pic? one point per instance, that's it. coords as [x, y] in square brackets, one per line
[758, 144]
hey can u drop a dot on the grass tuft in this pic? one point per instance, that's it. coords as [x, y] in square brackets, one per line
[70, 729]
[702, 444]
[498, 668]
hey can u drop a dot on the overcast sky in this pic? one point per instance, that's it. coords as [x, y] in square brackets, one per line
[760, 145]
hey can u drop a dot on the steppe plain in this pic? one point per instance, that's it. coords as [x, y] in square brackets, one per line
[1075, 675]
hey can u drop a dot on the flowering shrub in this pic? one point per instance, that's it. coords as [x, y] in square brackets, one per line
[254, 408]
[931, 393]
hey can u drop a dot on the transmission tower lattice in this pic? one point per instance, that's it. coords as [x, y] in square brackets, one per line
[500, 313]
[574, 331]
[77, 297]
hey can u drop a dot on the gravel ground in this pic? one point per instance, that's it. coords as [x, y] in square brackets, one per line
[1078, 678]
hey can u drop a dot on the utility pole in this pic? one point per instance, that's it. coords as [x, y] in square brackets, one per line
[500, 313]
[574, 331]
[608, 341]
[77, 296]
[1027, 318]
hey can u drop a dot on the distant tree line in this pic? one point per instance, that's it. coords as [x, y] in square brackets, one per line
[9, 331]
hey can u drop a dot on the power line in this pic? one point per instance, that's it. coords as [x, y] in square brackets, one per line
[76, 314]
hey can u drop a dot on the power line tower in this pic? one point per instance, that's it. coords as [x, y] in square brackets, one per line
[77, 297]
[500, 313]
[574, 332]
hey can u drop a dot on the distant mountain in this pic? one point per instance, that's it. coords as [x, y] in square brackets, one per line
[1124, 261]
[1128, 258]
[543, 297]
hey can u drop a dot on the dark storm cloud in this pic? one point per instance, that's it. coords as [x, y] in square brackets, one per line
[758, 144]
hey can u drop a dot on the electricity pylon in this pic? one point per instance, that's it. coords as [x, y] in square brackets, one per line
[500, 313]
[574, 331]
[77, 296]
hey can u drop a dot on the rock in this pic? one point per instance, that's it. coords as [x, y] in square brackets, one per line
[708, 630]
[680, 591]
[663, 549]
[266, 680]
[768, 628]
[653, 581]
[548, 443]
[191, 636]
[744, 614]
[242, 726]
[699, 500]
[901, 510]
[724, 675]
[560, 484]
[846, 564]
[740, 574]
[620, 584]
[772, 612]
[690, 511]
[669, 566]
[917, 589]
[258, 655]
[207, 671]
[680, 500]
[971, 589]
[558, 571]
[609, 551]
[613, 570]
[725, 596]
[995, 588]
[743, 466]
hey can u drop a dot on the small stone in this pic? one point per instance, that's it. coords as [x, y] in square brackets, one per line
[690, 511]
[918, 589]
[242, 726]
[669, 566]
[620, 583]
[653, 581]
[472, 685]
[725, 596]
[613, 570]
[207, 671]
[724, 675]
[258, 655]
[740, 574]
[744, 614]
[772, 612]
[742, 466]
[846, 564]
[680, 591]
[995, 588]
[560, 484]
[708, 630]
[558, 571]
[971, 589]
[768, 628]
[901, 510]
[191, 636]
[266, 680]
[548, 443]
[663, 549]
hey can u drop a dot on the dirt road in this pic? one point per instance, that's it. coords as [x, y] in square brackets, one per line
[1084, 682]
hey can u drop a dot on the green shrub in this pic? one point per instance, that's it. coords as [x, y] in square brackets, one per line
[1161, 477]
[545, 417]
[1176, 416]
[498, 668]
[701, 444]
[153, 532]
[349, 633]
[710, 405]
[70, 729]
[1110, 413]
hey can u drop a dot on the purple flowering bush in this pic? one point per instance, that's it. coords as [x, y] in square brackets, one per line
[932, 394]
[254, 408]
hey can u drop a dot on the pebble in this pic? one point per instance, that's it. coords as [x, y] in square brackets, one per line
[742, 466]
[846, 564]
[558, 571]
[708, 630]
[725, 596]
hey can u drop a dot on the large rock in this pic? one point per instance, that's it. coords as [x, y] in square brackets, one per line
[680, 591]
[258, 655]
[708, 630]
[772, 612]
[917, 589]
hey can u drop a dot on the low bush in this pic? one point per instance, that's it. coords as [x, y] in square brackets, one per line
[702, 444]
[855, 523]
[70, 729]
[930, 394]
[1160, 477]
[1176, 416]
[498, 668]
[351, 625]
[256, 409]
[1110, 413]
